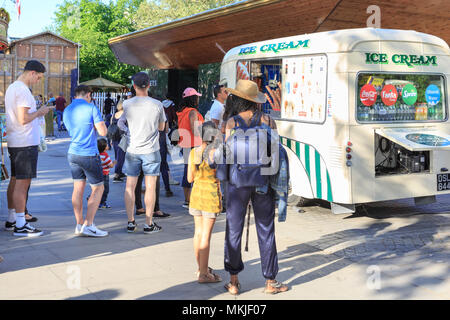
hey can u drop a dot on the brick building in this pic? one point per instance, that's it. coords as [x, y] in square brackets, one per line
[59, 56]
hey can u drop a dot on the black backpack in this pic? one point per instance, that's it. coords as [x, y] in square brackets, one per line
[114, 133]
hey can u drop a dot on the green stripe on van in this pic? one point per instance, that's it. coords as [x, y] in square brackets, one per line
[297, 149]
[307, 165]
[318, 176]
[329, 193]
[317, 188]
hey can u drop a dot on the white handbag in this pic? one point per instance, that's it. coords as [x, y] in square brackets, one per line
[42, 147]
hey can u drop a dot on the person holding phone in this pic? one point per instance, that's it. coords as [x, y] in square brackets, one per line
[22, 122]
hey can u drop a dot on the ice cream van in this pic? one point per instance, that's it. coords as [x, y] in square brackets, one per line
[362, 113]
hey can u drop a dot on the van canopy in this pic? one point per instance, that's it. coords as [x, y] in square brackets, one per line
[205, 37]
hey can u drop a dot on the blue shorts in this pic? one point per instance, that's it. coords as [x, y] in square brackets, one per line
[86, 167]
[149, 163]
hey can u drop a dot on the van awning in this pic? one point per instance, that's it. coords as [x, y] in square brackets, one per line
[205, 37]
[417, 139]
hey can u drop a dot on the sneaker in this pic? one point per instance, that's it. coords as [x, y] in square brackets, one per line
[78, 229]
[117, 179]
[104, 206]
[27, 231]
[173, 182]
[122, 175]
[169, 194]
[185, 205]
[9, 226]
[151, 229]
[93, 231]
[131, 226]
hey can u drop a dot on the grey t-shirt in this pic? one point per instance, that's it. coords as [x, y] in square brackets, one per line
[143, 114]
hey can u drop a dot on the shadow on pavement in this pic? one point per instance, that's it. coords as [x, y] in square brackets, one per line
[332, 252]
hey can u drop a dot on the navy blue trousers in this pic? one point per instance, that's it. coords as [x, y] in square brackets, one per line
[164, 164]
[264, 209]
[119, 156]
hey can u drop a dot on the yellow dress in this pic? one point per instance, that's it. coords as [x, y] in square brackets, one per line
[205, 193]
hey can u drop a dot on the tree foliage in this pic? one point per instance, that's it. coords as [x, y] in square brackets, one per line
[92, 23]
[155, 12]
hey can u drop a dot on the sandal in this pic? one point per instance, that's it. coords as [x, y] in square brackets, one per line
[160, 214]
[209, 278]
[30, 218]
[233, 288]
[275, 287]
[210, 270]
[139, 212]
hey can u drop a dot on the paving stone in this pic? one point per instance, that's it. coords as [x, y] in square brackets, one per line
[321, 255]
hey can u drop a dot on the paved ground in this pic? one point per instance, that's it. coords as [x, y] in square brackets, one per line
[389, 250]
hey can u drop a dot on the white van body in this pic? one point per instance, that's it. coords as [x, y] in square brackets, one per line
[338, 62]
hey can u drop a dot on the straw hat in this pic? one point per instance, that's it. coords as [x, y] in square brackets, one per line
[248, 90]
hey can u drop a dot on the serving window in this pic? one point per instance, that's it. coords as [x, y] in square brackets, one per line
[386, 97]
[267, 75]
[295, 87]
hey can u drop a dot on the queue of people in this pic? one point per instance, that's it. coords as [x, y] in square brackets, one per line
[140, 149]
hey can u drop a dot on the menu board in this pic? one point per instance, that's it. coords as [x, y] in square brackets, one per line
[304, 88]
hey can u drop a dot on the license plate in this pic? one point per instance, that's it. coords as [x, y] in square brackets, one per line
[443, 181]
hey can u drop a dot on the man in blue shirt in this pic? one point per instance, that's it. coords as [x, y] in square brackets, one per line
[84, 121]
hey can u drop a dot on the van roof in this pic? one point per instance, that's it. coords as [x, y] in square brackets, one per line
[333, 41]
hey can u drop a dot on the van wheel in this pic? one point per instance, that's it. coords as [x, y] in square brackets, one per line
[304, 202]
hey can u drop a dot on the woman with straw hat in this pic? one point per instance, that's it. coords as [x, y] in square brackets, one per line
[245, 103]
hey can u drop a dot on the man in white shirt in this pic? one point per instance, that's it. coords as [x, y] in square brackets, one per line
[22, 123]
[217, 108]
[146, 118]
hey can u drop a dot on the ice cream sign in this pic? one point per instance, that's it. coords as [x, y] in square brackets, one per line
[401, 59]
[275, 47]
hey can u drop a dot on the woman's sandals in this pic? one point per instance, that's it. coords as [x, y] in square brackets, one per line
[275, 287]
[210, 277]
[233, 288]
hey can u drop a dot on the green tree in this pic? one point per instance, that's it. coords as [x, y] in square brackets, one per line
[155, 12]
[92, 23]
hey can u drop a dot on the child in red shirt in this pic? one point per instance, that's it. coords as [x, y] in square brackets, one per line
[107, 164]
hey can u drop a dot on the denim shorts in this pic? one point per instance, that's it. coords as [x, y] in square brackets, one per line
[86, 167]
[149, 163]
[23, 162]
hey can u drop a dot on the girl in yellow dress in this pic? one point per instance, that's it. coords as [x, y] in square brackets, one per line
[205, 201]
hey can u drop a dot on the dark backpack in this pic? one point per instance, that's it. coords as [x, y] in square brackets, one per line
[113, 133]
[249, 151]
